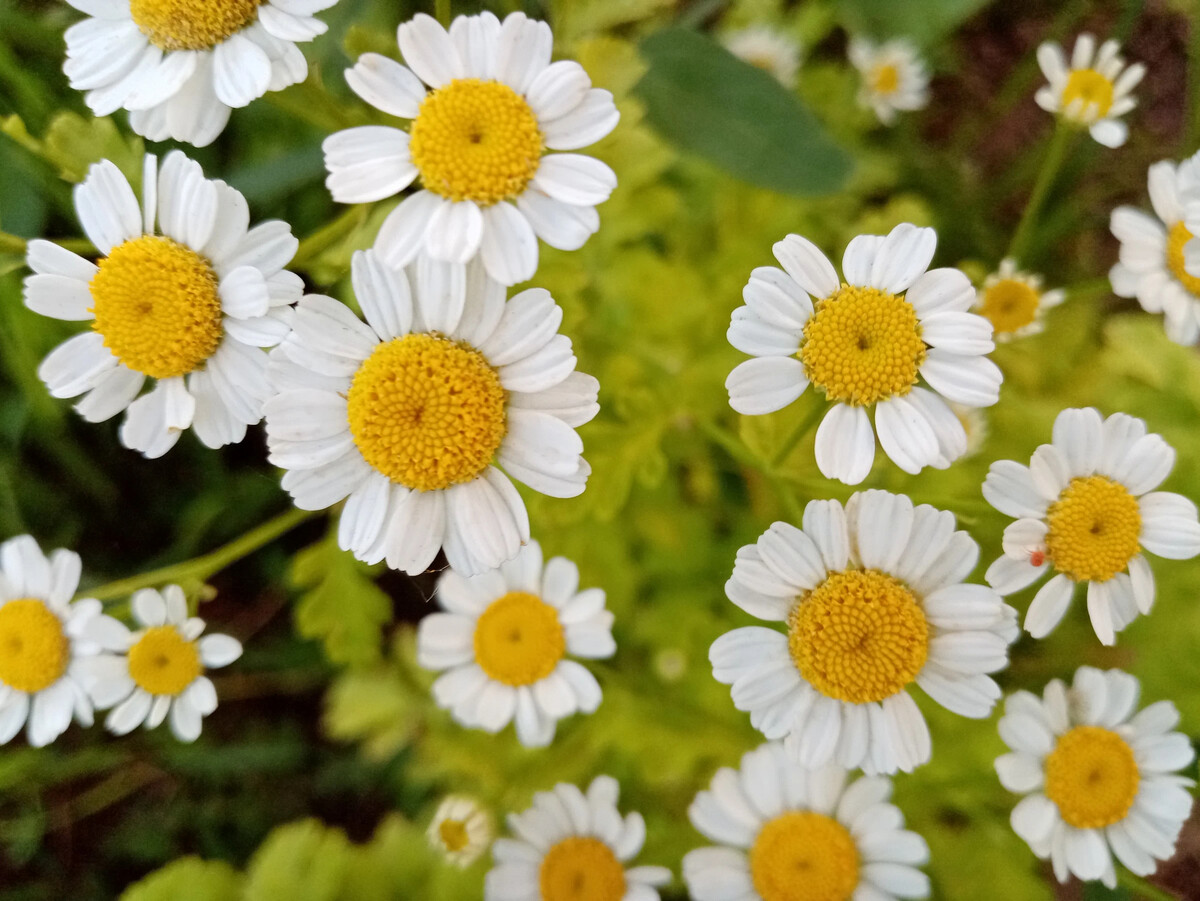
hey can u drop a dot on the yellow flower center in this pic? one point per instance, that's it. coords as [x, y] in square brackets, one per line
[1010, 304]
[862, 345]
[427, 412]
[1094, 529]
[475, 140]
[163, 662]
[1178, 237]
[884, 78]
[804, 856]
[581, 869]
[1093, 90]
[34, 650]
[191, 24]
[453, 834]
[859, 636]
[1092, 777]
[518, 639]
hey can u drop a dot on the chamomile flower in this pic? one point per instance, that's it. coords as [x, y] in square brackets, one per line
[787, 832]
[1093, 91]
[185, 310]
[504, 642]
[867, 341]
[894, 77]
[407, 414]
[1086, 507]
[874, 600]
[179, 66]
[461, 829]
[768, 49]
[573, 846]
[485, 104]
[1098, 778]
[1014, 302]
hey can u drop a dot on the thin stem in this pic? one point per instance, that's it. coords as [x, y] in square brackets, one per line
[327, 235]
[11, 243]
[1191, 130]
[1089, 288]
[733, 445]
[441, 10]
[1055, 154]
[815, 411]
[1141, 888]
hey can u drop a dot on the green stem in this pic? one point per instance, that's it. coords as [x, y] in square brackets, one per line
[11, 243]
[815, 411]
[328, 235]
[1055, 154]
[1191, 130]
[732, 444]
[441, 10]
[1089, 288]
[1141, 888]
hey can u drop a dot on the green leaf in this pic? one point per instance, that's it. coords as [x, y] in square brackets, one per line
[187, 879]
[72, 143]
[921, 21]
[301, 861]
[707, 101]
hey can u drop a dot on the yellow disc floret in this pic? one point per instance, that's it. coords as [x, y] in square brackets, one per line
[34, 650]
[1094, 529]
[453, 834]
[163, 662]
[475, 140]
[581, 869]
[1176, 239]
[859, 636]
[884, 78]
[804, 856]
[1010, 304]
[1092, 777]
[1091, 91]
[427, 412]
[191, 24]
[518, 639]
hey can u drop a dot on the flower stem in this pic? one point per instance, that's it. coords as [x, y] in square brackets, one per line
[1055, 155]
[327, 235]
[441, 9]
[1141, 888]
[815, 411]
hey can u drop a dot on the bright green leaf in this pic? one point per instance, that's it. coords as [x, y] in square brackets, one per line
[302, 861]
[188, 879]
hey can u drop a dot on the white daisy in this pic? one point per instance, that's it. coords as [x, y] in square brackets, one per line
[1085, 508]
[504, 643]
[1098, 778]
[768, 49]
[894, 76]
[874, 600]
[179, 66]
[789, 832]
[1093, 91]
[407, 413]
[573, 846]
[1014, 302]
[866, 341]
[461, 829]
[486, 104]
[42, 642]
[187, 309]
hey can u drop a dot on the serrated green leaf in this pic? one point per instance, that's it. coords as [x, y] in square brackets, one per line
[922, 21]
[72, 143]
[188, 879]
[301, 861]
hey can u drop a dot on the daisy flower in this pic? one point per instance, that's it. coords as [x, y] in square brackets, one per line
[1085, 508]
[894, 77]
[866, 341]
[775, 821]
[485, 105]
[1014, 302]
[504, 642]
[185, 310]
[42, 642]
[873, 600]
[768, 49]
[1098, 778]
[178, 66]
[461, 829]
[407, 414]
[1093, 91]
[572, 846]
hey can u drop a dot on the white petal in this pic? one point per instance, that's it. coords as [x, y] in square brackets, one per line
[845, 444]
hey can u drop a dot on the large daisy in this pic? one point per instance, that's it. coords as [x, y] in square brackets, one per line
[407, 414]
[184, 308]
[1094, 91]
[867, 341]
[894, 76]
[179, 66]
[485, 104]
[1086, 507]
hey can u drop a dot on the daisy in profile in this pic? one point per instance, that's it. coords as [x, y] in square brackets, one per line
[894, 77]
[768, 49]
[573, 846]
[866, 342]
[1085, 508]
[42, 642]
[485, 106]
[1094, 91]
[1014, 302]
[178, 66]
[1098, 776]
[461, 829]
[183, 308]
[774, 821]
[407, 414]
[503, 643]
[873, 600]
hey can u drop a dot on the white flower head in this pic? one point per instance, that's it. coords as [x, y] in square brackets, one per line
[1086, 507]
[569, 839]
[1094, 91]
[866, 341]
[873, 600]
[1097, 774]
[504, 642]
[179, 66]
[774, 820]
[768, 49]
[461, 829]
[1014, 301]
[894, 76]
[486, 104]
[408, 413]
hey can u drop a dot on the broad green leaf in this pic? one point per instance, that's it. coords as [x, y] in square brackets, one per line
[188, 879]
[302, 861]
[72, 143]
[922, 21]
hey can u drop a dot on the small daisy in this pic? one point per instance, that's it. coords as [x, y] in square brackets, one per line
[768, 49]
[1099, 779]
[407, 413]
[788, 833]
[486, 104]
[1014, 302]
[504, 643]
[461, 829]
[42, 642]
[866, 341]
[894, 77]
[571, 846]
[159, 669]
[179, 66]
[187, 309]
[1086, 508]
[874, 600]
[1094, 91]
